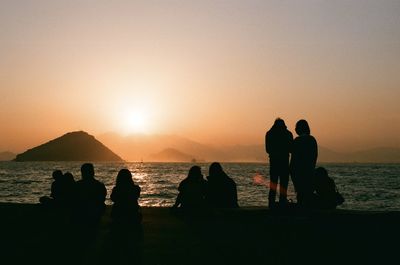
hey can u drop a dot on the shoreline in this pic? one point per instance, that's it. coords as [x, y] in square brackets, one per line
[250, 235]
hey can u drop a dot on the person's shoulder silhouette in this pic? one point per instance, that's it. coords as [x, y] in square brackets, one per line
[90, 189]
[90, 193]
[305, 146]
[57, 185]
[56, 190]
[221, 189]
[278, 139]
[191, 190]
[125, 196]
[67, 190]
[327, 196]
[302, 163]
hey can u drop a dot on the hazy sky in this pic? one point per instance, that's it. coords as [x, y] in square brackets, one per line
[214, 71]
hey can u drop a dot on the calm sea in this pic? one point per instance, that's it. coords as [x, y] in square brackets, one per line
[364, 186]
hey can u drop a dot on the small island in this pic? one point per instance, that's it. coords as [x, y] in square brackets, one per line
[73, 146]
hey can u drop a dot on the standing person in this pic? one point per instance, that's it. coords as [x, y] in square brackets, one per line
[302, 163]
[278, 141]
[191, 190]
[221, 189]
[91, 195]
[125, 196]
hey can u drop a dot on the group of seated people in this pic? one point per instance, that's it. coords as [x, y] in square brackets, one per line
[87, 196]
[218, 191]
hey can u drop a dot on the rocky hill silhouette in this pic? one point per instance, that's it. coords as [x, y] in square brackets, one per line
[73, 146]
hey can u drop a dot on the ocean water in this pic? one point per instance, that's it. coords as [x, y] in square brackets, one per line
[364, 186]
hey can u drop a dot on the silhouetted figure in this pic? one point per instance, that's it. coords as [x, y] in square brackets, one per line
[90, 196]
[302, 163]
[126, 234]
[278, 141]
[192, 190]
[125, 196]
[46, 200]
[62, 190]
[67, 191]
[221, 189]
[326, 193]
[56, 186]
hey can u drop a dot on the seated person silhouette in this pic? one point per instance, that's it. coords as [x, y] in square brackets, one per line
[56, 190]
[90, 196]
[221, 190]
[191, 190]
[326, 194]
[125, 196]
[67, 190]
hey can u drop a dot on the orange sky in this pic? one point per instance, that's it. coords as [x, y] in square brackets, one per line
[217, 72]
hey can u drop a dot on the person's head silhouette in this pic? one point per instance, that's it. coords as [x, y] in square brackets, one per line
[195, 173]
[69, 177]
[302, 127]
[124, 178]
[216, 169]
[87, 171]
[279, 124]
[321, 172]
[57, 174]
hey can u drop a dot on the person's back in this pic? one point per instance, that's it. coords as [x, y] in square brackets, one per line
[221, 189]
[303, 161]
[125, 196]
[91, 195]
[66, 191]
[192, 190]
[55, 192]
[192, 193]
[304, 153]
[326, 192]
[278, 142]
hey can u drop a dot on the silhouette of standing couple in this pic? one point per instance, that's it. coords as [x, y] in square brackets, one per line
[303, 152]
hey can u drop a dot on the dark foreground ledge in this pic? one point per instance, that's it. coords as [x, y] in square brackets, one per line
[31, 234]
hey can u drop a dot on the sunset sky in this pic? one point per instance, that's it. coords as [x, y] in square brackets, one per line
[217, 72]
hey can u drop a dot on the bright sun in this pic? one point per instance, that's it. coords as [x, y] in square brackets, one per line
[134, 121]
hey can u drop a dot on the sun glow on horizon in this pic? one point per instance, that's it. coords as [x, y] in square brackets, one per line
[134, 120]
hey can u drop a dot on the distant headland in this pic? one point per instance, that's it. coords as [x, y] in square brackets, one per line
[73, 146]
[81, 146]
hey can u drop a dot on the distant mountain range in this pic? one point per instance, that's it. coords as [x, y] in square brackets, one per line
[173, 155]
[80, 146]
[175, 148]
[73, 146]
[374, 155]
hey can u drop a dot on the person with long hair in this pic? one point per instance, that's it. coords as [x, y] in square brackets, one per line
[221, 189]
[191, 190]
[126, 232]
[302, 163]
[125, 196]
